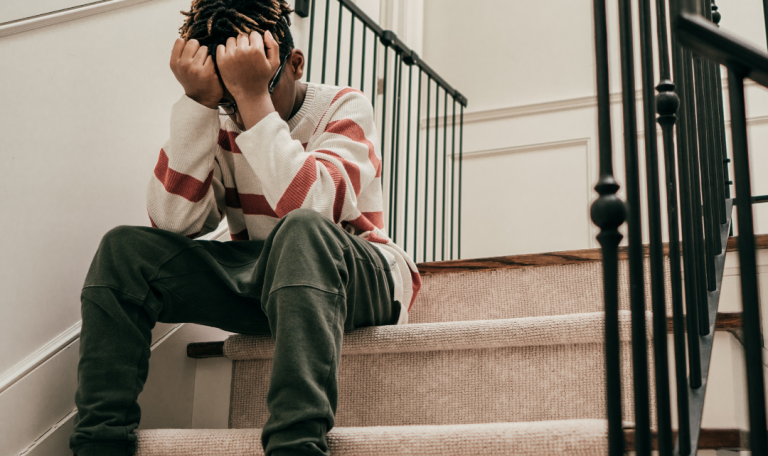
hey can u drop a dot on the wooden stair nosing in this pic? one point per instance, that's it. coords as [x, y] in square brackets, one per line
[215, 349]
[709, 439]
[547, 259]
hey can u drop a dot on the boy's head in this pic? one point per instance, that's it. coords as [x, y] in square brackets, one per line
[212, 22]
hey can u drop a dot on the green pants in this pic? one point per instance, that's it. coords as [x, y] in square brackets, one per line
[305, 284]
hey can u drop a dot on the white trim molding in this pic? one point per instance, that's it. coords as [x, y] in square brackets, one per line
[546, 107]
[69, 14]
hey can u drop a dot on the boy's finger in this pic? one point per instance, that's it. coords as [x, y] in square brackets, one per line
[256, 41]
[190, 49]
[271, 49]
[200, 56]
[178, 46]
[242, 41]
[231, 45]
[221, 51]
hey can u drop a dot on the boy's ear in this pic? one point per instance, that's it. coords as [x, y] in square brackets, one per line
[296, 59]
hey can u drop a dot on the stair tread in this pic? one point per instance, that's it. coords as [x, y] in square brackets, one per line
[455, 335]
[585, 437]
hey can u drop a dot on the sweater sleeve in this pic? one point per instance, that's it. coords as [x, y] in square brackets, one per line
[185, 194]
[341, 161]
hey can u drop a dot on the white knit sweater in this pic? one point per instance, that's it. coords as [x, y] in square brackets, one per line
[325, 158]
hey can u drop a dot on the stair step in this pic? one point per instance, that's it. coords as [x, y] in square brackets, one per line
[725, 321]
[568, 437]
[513, 370]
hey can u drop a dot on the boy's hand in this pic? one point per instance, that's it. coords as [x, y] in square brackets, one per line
[195, 71]
[247, 63]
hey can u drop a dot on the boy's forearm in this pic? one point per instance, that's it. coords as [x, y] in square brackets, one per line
[253, 108]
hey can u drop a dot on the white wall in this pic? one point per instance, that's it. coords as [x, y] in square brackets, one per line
[527, 70]
[87, 110]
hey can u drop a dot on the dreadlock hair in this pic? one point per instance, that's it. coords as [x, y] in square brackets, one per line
[211, 22]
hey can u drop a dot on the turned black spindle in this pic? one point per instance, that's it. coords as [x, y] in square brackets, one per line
[667, 103]
[426, 170]
[445, 156]
[437, 156]
[338, 44]
[658, 298]
[636, 278]
[453, 166]
[608, 213]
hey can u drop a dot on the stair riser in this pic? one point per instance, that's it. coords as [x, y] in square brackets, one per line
[523, 292]
[511, 384]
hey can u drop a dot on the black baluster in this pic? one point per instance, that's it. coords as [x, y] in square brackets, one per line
[453, 166]
[362, 66]
[311, 36]
[667, 103]
[636, 279]
[374, 82]
[748, 267]
[445, 152]
[724, 179]
[437, 155]
[658, 298]
[461, 166]
[392, 171]
[686, 217]
[325, 40]
[704, 129]
[351, 49]
[396, 169]
[408, 155]
[426, 171]
[608, 214]
[416, 183]
[338, 45]
[384, 113]
[698, 232]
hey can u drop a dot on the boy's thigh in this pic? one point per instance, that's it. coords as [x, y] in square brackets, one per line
[212, 284]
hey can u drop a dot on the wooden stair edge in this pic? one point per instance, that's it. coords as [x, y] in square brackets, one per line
[215, 349]
[709, 439]
[546, 259]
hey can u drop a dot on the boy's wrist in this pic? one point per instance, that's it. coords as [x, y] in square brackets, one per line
[207, 103]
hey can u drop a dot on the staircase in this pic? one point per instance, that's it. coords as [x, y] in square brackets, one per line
[501, 356]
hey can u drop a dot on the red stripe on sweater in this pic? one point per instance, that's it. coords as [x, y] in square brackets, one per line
[416, 279]
[362, 223]
[341, 189]
[241, 236]
[377, 218]
[254, 204]
[227, 141]
[181, 184]
[299, 188]
[353, 131]
[231, 198]
[374, 238]
[352, 170]
[338, 95]
[250, 203]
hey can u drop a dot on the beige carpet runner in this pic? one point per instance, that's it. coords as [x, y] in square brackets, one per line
[565, 438]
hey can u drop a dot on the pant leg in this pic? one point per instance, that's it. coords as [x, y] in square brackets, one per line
[133, 283]
[319, 280]
[299, 276]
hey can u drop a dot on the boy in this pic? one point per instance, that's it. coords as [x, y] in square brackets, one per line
[295, 168]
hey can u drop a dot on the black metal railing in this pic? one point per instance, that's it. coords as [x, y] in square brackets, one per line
[417, 193]
[690, 107]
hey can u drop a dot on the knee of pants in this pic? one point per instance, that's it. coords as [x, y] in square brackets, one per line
[304, 224]
[114, 257]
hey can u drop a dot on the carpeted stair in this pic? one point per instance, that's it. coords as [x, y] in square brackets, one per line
[497, 360]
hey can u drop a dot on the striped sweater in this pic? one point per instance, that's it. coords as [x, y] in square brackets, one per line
[325, 157]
